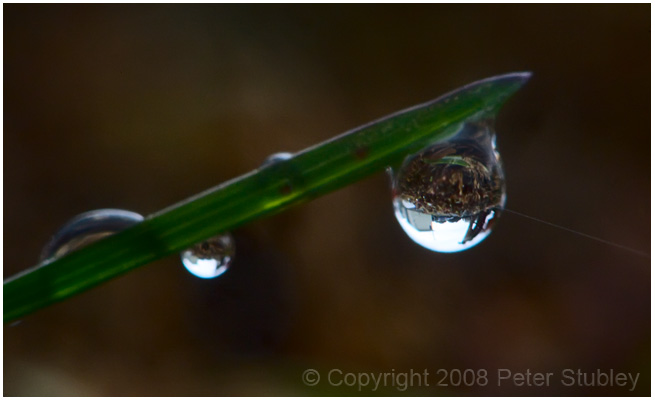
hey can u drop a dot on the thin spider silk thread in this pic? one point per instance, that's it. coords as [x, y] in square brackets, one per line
[614, 244]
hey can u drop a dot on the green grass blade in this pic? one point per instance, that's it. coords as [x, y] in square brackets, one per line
[311, 173]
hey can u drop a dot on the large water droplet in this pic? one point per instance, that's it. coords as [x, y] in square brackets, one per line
[87, 228]
[448, 196]
[210, 258]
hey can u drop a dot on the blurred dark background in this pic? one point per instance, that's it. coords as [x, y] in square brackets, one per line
[138, 107]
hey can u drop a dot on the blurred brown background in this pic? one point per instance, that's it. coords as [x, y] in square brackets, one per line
[138, 107]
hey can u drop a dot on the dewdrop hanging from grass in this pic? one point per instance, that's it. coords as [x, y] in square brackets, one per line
[448, 196]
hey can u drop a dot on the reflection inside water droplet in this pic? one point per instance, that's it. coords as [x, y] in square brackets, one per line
[87, 228]
[210, 258]
[448, 196]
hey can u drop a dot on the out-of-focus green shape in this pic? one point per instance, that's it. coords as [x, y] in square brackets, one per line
[311, 173]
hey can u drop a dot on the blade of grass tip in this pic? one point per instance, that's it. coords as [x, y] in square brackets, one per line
[313, 172]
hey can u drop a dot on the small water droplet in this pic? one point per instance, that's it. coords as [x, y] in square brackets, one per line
[275, 158]
[448, 196]
[210, 258]
[87, 228]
